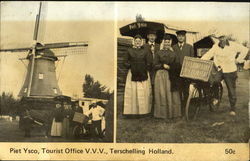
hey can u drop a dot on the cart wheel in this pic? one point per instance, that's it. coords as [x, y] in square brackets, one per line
[193, 104]
[77, 131]
[214, 106]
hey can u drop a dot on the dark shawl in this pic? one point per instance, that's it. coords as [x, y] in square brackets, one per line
[137, 59]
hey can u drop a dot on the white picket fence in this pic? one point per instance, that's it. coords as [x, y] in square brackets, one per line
[9, 118]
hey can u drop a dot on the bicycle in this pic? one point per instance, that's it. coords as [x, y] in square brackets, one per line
[201, 93]
[203, 89]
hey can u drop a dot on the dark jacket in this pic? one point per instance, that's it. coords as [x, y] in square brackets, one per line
[151, 59]
[167, 57]
[178, 83]
[164, 57]
[148, 48]
[187, 50]
[138, 61]
[27, 121]
[58, 114]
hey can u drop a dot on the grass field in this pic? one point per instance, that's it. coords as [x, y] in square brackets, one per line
[151, 130]
[10, 131]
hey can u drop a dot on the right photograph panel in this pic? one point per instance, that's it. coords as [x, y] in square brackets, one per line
[182, 72]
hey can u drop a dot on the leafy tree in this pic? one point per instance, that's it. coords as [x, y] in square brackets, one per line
[8, 104]
[94, 89]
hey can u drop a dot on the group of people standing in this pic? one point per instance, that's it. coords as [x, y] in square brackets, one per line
[60, 122]
[63, 122]
[62, 119]
[153, 85]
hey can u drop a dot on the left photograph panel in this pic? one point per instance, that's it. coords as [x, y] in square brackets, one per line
[56, 66]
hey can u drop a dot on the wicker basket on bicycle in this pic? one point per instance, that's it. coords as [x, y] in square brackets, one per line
[198, 69]
[80, 118]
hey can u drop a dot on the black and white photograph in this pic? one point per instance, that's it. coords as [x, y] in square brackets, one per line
[183, 72]
[82, 80]
[57, 79]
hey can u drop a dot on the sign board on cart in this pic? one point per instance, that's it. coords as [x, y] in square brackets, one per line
[195, 68]
[79, 117]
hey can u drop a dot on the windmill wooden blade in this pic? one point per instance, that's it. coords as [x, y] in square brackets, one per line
[37, 23]
[42, 22]
[67, 48]
[15, 50]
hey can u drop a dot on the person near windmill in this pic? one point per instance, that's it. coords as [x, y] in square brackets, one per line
[97, 113]
[152, 47]
[27, 122]
[56, 127]
[181, 50]
[67, 119]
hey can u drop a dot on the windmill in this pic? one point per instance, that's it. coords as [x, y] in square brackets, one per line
[40, 81]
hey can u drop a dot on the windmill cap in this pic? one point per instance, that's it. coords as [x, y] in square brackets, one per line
[181, 32]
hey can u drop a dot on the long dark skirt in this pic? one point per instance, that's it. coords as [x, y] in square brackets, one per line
[167, 103]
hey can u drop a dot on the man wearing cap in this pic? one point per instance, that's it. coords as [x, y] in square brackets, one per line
[224, 57]
[182, 49]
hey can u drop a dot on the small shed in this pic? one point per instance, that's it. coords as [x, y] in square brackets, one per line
[122, 45]
[203, 45]
[207, 42]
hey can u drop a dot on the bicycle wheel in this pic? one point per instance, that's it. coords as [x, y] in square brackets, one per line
[77, 131]
[193, 104]
[217, 92]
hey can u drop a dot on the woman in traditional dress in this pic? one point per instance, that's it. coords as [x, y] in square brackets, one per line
[56, 128]
[66, 120]
[138, 94]
[167, 101]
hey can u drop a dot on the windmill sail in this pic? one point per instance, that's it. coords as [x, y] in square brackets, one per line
[15, 50]
[67, 48]
[32, 58]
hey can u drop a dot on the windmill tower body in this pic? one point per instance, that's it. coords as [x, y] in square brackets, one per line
[43, 82]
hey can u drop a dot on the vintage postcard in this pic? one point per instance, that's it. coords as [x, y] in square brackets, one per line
[124, 81]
